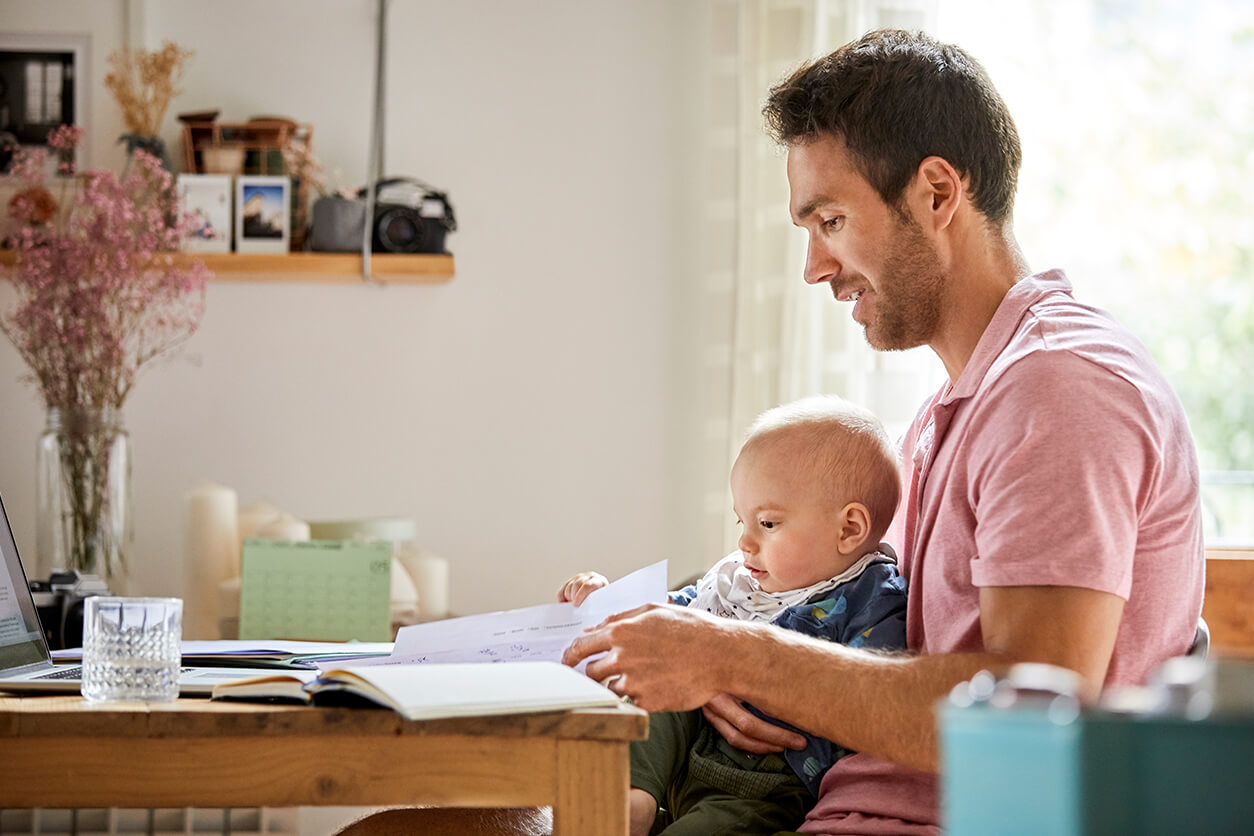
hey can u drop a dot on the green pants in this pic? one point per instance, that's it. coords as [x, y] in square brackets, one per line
[704, 786]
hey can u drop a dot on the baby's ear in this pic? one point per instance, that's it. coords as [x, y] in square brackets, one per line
[855, 527]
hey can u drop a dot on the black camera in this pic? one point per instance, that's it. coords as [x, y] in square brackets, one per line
[59, 602]
[413, 219]
[409, 217]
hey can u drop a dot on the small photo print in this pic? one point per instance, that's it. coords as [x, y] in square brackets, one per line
[262, 214]
[207, 199]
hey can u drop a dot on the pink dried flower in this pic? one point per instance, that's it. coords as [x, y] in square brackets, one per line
[96, 296]
[66, 137]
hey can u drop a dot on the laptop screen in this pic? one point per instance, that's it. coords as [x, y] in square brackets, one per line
[21, 637]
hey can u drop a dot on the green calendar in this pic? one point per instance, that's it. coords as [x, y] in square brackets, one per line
[324, 590]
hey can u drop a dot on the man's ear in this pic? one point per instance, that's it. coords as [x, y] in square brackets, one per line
[855, 526]
[937, 190]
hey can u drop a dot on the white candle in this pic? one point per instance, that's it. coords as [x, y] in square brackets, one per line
[212, 556]
[254, 516]
[405, 608]
[228, 598]
[228, 608]
[430, 575]
[284, 527]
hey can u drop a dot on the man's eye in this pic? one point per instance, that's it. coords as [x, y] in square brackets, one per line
[833, 224]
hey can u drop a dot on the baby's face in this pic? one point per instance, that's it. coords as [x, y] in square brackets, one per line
[789, 528]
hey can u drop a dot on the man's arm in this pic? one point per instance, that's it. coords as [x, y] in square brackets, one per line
[672, 659]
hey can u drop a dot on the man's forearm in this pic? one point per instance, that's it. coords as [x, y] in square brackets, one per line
[880, 704]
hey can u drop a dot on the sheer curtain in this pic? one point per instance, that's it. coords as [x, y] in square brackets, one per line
[768, 337]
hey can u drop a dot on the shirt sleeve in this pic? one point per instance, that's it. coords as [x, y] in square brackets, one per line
[1061, 471]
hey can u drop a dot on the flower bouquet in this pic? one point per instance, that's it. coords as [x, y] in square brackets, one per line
[97, 292]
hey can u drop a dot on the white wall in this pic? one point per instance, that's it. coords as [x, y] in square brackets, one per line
[534, 415]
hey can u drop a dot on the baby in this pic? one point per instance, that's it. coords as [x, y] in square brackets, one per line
[814, 488]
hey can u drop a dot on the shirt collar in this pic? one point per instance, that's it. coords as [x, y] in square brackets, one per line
[1022, 295]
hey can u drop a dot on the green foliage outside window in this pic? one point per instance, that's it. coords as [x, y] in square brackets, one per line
[1137, 121]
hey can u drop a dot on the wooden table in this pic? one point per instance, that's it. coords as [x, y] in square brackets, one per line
[62, 752]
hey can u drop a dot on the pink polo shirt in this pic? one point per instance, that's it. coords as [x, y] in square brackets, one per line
[1060, 457]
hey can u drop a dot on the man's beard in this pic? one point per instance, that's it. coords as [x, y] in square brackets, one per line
[907, 299]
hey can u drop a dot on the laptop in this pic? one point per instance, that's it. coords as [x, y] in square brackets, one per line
[25, 664]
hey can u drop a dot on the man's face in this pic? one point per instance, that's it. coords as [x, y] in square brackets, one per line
[866, 250]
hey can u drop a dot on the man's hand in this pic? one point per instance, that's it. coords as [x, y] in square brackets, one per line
[580, 587]
[662, 656]
[746, 730]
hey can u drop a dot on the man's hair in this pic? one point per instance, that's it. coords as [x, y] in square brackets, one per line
[895, 98]
[847, 448]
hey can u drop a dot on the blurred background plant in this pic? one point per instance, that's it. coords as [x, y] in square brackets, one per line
[144, 82]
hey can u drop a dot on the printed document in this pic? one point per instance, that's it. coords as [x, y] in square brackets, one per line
[530, 634]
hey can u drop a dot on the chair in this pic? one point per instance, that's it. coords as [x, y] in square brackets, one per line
[1201, 640]
[1229, 603]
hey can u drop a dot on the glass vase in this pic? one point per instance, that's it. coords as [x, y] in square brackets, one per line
[83, 514]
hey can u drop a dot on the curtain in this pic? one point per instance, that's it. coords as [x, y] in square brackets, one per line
[768, 338]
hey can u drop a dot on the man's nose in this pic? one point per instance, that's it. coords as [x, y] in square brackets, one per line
[821, 265]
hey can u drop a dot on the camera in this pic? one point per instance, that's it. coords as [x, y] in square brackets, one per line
[409, 217]
[416, 226]
[59, 602]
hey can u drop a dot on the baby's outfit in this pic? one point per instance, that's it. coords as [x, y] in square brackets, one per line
[704, 785]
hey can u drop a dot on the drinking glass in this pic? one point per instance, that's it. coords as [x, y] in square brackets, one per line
[131, 649]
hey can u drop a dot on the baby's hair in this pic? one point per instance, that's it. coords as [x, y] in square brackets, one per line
[848, 446]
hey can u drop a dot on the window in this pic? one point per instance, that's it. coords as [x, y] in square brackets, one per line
[1137, 123]
[44, 83]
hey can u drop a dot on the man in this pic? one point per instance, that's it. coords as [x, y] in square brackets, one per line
[1051, 509]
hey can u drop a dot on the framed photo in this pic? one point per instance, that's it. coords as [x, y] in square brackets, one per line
[44, 83]
[208, 198]
[262, 213]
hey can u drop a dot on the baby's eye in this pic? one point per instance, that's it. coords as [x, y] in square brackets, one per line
[767, 524]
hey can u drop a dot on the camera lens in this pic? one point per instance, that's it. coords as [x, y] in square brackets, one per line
[399, 230]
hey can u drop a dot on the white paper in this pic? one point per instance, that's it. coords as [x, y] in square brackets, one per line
[539, 633]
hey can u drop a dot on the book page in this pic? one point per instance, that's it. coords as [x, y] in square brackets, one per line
[539, 633]
[430, 691]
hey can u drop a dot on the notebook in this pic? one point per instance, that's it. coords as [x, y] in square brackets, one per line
[431, 691]
[25, 664]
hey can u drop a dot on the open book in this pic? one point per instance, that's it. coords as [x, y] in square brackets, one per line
[429, 691]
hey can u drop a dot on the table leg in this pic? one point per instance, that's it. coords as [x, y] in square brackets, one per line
[593, 777]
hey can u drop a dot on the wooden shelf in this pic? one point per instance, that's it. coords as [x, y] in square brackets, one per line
[327, 267]
[321, 268]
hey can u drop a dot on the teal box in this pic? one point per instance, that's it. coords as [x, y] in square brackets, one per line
[1019, 771]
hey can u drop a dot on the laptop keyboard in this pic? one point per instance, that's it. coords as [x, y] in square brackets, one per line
[75, 672]
[72, 672]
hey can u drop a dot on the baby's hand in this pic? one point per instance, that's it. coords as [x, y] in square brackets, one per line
[580, 587]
